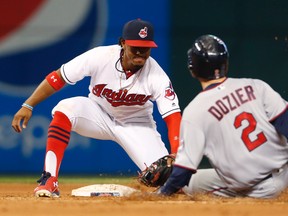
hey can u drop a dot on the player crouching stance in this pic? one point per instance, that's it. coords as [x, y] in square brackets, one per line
[124, 82]
[241, 125]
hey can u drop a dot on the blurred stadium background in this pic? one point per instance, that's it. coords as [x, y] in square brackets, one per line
[37, 36]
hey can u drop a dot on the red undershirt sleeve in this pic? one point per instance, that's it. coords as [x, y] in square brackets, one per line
[173, 125]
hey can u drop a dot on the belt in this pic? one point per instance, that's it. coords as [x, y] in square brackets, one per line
[270, 175]
[275, 171]
[267, 177]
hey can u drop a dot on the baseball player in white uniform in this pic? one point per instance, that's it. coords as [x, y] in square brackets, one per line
[124, 80]
[240, 125]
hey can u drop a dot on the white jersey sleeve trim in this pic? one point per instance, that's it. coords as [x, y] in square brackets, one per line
[171, 112]
[62, 70]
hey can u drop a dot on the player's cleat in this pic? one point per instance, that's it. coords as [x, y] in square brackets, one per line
[48, 186]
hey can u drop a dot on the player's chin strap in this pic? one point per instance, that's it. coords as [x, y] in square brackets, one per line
[55, 80]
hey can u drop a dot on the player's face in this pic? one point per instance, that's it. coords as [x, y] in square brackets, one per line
[135, 56]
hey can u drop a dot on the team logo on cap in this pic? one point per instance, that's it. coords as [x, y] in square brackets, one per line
[143, 32]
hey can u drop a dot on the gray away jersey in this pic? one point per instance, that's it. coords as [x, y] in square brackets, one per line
[230, 125]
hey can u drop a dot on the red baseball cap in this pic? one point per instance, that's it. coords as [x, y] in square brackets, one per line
[139, 33]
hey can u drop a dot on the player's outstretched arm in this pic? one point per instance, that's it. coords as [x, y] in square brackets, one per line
[43, 91]
[179, 177]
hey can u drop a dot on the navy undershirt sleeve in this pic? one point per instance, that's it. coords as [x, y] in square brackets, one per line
[179, 178]
[281, 123]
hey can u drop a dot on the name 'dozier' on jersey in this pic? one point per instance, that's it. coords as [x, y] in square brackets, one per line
[231, 102]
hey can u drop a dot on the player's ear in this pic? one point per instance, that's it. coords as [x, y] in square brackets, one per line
[121, 42]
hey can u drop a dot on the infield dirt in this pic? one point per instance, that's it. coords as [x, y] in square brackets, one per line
[17, 199]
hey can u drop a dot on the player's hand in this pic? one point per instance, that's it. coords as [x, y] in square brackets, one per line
[21, 117]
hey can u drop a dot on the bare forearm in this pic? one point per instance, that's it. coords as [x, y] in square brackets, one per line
[43, 91]
[46, 89]
[52, 83]
[21, 118]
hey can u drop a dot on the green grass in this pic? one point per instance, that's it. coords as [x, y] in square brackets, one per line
[70, 179]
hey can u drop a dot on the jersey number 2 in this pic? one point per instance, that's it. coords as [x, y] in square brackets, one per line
[252, 123]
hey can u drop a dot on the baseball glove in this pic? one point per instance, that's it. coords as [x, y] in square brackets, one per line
[158, 172]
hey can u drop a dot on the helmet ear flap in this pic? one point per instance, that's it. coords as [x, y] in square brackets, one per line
[190, 62]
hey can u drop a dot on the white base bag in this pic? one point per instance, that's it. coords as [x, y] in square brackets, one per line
[96, 190]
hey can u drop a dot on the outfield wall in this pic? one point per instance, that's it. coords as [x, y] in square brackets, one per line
[256, 33]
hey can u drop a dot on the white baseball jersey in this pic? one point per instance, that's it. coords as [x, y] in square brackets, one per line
[117, 108]
[229, 123]
[125, 100]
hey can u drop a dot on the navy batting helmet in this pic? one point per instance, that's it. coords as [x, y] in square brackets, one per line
[208, 58]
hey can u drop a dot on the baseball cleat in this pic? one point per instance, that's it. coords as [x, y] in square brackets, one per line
[48, 186]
